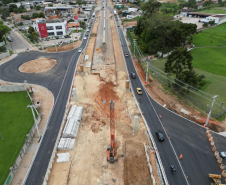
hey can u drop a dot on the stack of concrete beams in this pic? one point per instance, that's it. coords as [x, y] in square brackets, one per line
[66, 144]
[71, 128]
[73, 121]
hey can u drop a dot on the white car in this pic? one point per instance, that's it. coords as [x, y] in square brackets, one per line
[79, 50]
[84, 38]
[87, 29]
[223, 154]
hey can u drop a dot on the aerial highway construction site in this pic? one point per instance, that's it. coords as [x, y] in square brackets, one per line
[102, 121]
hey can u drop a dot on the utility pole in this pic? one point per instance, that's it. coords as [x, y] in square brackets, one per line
[35, 119]
[147, 72]
[207, 120]
[134, 41]
[56, 47]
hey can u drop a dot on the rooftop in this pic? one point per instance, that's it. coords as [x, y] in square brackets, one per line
[219, 15]
[200, 13]
[73, 24]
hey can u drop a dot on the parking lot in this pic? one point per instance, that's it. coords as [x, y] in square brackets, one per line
[51, 42]
[192, 20]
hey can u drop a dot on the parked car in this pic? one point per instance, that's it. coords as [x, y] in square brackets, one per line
[139, 91]
[133, 75]
[87, 29]
[159, 135]
[126, 54]
[84, 38]
[223, 155]
[86, 34]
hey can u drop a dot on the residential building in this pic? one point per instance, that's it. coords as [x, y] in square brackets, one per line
[83, 17]
[55, 27]
[38, 2]
[184, 12]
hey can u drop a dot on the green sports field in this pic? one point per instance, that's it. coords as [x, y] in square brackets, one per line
[16, 121]
[216, 10]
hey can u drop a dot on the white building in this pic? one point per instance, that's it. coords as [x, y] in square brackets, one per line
[54, 27]
[218, 19]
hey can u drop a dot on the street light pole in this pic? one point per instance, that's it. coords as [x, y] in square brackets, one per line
[35, 119]
[207, 120]
[147, 72]
[134, 41]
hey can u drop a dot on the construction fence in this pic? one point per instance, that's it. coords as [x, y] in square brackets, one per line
[188, 93]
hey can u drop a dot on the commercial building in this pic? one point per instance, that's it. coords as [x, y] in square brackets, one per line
[55, 27]
[218, 19]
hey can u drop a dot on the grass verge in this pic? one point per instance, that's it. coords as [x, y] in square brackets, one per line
[16, 122]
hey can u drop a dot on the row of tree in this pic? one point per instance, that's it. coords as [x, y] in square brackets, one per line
[158, 32]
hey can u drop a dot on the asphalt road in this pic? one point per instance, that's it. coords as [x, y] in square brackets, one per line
[19, 43]
[59, 85]
[186, 138]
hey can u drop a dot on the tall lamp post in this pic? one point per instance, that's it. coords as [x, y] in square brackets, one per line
[207, 120]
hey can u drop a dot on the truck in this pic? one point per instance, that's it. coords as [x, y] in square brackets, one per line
[129, 16]
[115, 12]
[132, 9]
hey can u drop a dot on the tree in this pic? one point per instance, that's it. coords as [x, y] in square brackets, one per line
[150, 7]
[15, 10]
[50, 5]
[82, 25]
[4, 30]
[212, 22]
[179, 61]
[71, 20]
[5, 13]
[31, 30]
[26, 17]
[41, 14]
[11, 7]
[35, 15]
[20, 24]
[31, 7]
[37, 7]
[35, 36]
[205, 25]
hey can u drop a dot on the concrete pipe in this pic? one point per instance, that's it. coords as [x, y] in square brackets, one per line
[224, 173]
[210, 139]
[222, 166]
[219, 161]
[217, 157]
[208, 135]
[207, 131]
[212, 143]
[214, 149]
[216, 153]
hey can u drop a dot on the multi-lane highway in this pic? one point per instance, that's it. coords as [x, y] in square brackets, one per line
[58, 80]
[186, 137]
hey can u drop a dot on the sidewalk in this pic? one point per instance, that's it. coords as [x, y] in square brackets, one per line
[7, 59]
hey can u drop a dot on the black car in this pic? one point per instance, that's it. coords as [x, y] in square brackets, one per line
[133, 75]
[159, 135]
[173, 169]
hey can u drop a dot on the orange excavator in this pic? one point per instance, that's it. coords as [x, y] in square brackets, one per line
[112, 155]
